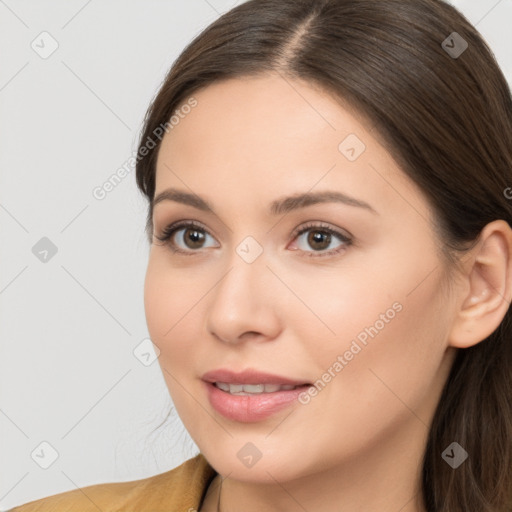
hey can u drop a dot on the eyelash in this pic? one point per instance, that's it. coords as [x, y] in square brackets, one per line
[170, 230]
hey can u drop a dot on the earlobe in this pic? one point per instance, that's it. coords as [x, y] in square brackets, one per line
[489, 279]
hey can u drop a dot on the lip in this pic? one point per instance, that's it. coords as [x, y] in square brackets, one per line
[249, 376]
[250, 408]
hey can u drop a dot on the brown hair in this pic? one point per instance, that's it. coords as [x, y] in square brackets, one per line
[447, 121]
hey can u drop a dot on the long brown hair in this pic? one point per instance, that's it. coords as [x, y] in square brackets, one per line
[447, 120]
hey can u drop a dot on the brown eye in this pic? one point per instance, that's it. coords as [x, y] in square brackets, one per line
[193, 238]
[319, 240]
[186, 237]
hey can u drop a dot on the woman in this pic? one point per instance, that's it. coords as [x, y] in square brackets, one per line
[330, 269]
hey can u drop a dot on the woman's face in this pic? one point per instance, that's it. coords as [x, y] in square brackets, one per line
[354, 303]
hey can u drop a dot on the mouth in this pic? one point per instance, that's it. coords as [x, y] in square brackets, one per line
[251, 396]
[255, 389]
[250, 403]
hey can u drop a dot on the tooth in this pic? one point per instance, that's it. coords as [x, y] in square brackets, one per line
[253, 388]
[271, 388]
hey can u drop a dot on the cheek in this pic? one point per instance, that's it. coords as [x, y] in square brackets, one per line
[166, 301]
[391, 344]
[169, 293]
[174, 314]
[388, 350]
[174, 307]
[159, 309]
[374, 329]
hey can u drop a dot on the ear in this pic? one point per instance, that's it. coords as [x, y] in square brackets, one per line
[489, 279]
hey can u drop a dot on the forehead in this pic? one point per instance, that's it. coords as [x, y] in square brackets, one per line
[254, 138]
[264, 114]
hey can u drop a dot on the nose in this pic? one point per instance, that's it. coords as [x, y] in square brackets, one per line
[244, 305]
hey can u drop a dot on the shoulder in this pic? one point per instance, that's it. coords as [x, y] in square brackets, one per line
[179, 490]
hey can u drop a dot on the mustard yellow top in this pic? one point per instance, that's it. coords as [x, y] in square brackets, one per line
[181, 489]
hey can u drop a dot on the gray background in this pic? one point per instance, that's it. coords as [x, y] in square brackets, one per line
[69, 325]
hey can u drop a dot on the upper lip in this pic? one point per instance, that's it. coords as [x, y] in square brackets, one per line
[249, 376]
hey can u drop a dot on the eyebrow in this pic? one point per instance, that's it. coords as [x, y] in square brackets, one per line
[277, 207]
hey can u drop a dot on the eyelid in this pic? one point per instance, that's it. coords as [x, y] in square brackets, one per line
[321, 226]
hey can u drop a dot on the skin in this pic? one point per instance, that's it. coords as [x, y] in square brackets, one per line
[247, 143]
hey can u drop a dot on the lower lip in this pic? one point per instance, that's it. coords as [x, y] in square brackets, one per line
[251, 408]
